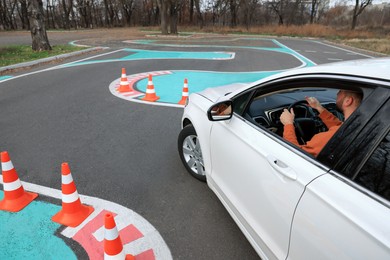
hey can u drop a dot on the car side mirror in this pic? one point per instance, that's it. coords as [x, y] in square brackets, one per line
[221, 111]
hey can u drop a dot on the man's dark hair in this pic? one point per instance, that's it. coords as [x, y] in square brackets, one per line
[357, 95]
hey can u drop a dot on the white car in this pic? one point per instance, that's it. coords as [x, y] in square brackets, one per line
[288, 203]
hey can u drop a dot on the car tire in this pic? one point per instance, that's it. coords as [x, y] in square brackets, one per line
[191, 153]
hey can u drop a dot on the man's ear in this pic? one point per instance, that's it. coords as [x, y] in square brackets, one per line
[348, 101]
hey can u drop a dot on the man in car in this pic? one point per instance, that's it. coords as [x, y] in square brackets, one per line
[346, 101]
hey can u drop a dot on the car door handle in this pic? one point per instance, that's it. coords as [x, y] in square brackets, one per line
[281, 167]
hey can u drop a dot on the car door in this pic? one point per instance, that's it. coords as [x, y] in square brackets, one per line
[260, 180]
[345, 214]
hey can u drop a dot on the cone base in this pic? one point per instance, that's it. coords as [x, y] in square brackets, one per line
[15, 205]
[182, 102]
[73, 219]
[122, 89]
[130, 257]
[119, 256]
[151, 99]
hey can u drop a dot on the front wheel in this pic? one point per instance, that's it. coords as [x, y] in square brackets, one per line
[191, 153]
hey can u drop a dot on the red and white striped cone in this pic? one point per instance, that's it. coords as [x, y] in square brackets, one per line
[113, 248]
[73, 213]
[124, 85]
[184, 95]
[15, 197]
[150, 92]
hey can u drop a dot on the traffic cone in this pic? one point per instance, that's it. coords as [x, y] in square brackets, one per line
[113, 248]
[184, 95]
[15, 197]
[150, 93]
[72, 212]
[124, 85]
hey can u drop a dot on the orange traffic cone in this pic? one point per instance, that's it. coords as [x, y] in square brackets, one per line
[113, 248]
[150, 93]
[124, 85]
[15, 197]
[184, 95]
[72, 212]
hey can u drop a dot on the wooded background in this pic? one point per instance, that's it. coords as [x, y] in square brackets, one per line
[38, 15]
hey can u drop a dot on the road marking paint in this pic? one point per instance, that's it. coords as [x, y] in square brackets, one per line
[310, 51]
[150, 245]
[330, 52]
[348, 51]
[334, 59]
[305, 61]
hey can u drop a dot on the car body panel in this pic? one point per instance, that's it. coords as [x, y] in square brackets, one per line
[265, 186]
[336, 221]
[289, 204]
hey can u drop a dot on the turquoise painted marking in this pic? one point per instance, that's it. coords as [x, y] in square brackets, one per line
[4, 77]
[29, 233]
[281, 48]
[146, 54]
[169, 87]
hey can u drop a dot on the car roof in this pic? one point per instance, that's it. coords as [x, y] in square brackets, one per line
[376, 68]
[371, 68]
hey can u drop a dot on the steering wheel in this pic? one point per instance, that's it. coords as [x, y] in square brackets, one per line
[308, 126]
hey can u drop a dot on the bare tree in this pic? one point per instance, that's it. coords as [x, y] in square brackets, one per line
[313, 10]
[40, 41]
[163, 7]
[128, 7]
[67, 6]
[277, 6]
[360, 5]
[22, 11]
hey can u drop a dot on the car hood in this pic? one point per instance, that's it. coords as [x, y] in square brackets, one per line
[214, 94]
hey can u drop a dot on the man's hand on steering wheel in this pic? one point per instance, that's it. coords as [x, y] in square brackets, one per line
[314, 103]
[307, 126]
[287, 117]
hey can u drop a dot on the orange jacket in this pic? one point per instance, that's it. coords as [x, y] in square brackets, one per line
[318, 141]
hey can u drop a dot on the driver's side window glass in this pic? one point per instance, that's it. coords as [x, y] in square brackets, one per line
[241, 102]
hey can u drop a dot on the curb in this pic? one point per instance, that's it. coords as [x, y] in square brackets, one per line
[60, 57]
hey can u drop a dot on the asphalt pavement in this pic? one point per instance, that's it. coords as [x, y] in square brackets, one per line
[126, 152]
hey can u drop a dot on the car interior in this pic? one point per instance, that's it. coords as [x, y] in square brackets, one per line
[265, 110]
[263, 106]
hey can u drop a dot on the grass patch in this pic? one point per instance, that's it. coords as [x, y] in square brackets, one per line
[376, 45]
[371, 39]
[14, 54]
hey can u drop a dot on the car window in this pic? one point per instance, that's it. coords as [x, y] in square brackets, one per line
[240, 102]
[375, 174]
[268, 101]
[264, 109]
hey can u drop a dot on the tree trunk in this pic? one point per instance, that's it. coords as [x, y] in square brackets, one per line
[24, 15]
[359, 8]
[40, 41]
[163, 6]
[200, 18]
[173, 18]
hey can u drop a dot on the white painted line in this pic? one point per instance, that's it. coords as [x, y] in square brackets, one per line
[151, 237]
[295, 54]
[334, 59]
[311, 51]
[56, 67]
[348, 51]
[330, 52]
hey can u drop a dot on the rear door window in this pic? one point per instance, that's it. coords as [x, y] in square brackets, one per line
[375, 173]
